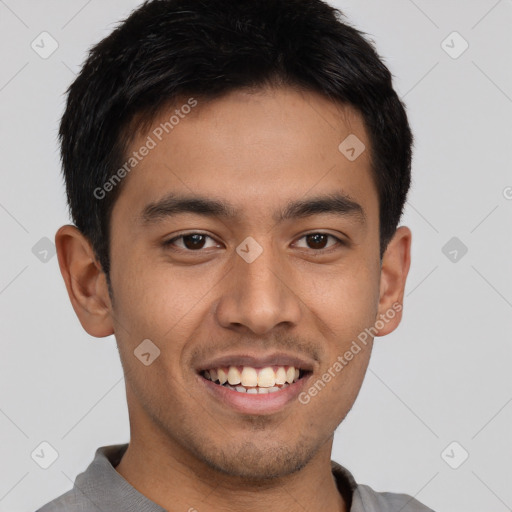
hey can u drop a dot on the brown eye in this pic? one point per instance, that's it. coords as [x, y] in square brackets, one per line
[190, 242]
[193, 241]
[319, 241]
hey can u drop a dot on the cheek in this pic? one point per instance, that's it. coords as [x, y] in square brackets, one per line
[345, 303]
[346, 299]
[154, 301]
[151, 304]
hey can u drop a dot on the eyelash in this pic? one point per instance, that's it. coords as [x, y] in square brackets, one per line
[169, 243]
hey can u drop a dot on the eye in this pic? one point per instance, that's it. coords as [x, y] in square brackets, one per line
[190, 241]
[318, 241]
[195, 242]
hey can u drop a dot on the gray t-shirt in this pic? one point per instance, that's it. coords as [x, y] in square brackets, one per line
[100, 488]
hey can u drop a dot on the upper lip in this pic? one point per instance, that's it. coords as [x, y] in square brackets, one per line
[246, 359]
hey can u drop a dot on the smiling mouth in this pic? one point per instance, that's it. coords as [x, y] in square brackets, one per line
[251, 380]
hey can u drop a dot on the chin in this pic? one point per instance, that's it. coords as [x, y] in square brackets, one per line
[259, 463]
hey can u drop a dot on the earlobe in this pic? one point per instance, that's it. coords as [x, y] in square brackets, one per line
[85, 281]
[394, 269]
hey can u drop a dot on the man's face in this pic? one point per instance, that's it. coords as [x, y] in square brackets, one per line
[213, 295]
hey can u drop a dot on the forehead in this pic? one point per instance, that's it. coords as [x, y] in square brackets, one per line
[258, 151]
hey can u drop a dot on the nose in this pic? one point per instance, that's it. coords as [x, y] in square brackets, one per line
[258, 296]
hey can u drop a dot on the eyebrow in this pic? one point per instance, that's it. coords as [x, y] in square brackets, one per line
[172, 204]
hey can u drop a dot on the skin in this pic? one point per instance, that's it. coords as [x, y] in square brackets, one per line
[257, 151]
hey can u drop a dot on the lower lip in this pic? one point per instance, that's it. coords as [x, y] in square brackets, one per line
[254, 403]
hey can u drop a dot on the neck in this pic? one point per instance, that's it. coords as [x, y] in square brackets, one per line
[176, 480]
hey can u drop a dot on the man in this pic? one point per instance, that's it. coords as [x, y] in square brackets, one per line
[236, 171]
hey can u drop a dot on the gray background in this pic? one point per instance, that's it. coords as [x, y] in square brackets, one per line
[443, 376]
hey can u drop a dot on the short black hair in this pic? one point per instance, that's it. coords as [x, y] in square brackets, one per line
[169, 49]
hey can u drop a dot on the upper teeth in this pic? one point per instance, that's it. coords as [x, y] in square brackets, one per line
[248, 376]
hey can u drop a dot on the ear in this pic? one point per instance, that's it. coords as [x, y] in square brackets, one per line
[85, 281]
[394, 269]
